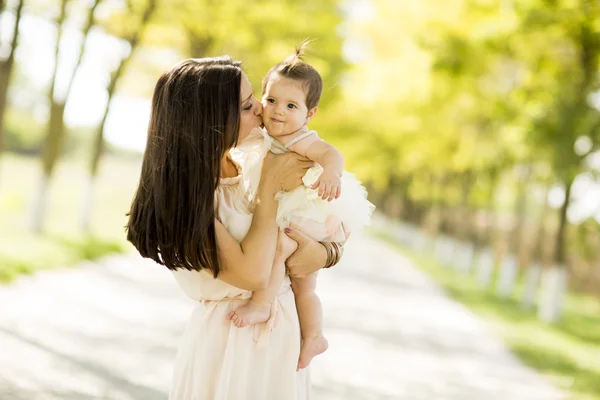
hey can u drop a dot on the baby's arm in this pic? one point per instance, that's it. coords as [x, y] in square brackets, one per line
[330, 158]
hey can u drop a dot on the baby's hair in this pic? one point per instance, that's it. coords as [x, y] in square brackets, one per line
[298, 56]
[295, 68]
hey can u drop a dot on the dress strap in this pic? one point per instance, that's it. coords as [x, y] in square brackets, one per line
[299, 138]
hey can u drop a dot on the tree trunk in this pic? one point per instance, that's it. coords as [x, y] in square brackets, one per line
[534, 272]
[465, 251]
[560, 250]
[6, 68]
[40, 203]
[5, 73]
[538, 253]
[55, 137]
[88, 204]
[491, 220]
[392, 203]
[51, 153]
[484, 249]
[55, 132]
[467, 181]
[56, 127]
[431, 224]
[509, 267]
[508, 275]
[520, 212]
[554, 279]
[532, 280]
[554, 285]
[98, 144]
[485, 267]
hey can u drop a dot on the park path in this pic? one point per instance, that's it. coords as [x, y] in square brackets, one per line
[109, 330]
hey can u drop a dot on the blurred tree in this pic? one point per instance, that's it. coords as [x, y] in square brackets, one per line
[568, 115]
[58, 100]
[54, 130]
[6, 66]
[501, 92]
[130, 25]
[574, 58]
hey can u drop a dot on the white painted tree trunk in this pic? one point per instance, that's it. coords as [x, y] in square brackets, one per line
[438, 248]
[554, 285]
[508, 276]
[485, 268]
[466, 254]
[450, 259]
[399, 232]
[444, 250]
[39, 205]
[87, 206]
[532, 280]
[420, 240]
[410, 232]
[429, 243]
[453, 258]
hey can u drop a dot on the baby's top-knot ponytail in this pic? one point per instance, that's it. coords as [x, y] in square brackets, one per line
[295, 68]
[297, 57]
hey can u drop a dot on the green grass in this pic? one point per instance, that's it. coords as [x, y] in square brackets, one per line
[62, 242]
[566, 353]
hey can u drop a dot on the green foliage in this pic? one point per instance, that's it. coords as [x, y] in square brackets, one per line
[259, 33]
[480, 85]
[473, 88]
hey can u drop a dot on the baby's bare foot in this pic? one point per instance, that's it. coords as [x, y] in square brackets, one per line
[311, 347]
[249, 314]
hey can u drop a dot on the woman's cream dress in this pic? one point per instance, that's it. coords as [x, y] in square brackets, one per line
[216, 360]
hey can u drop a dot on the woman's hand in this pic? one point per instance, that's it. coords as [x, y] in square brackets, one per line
[285, 171]
[310, 256]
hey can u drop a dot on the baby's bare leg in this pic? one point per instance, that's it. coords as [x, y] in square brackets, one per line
[311, 319]
[258, 308]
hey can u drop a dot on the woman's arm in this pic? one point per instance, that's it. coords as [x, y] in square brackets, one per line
[312, 255]
[248, 264]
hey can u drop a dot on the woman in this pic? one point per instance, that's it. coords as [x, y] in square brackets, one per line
[186, 215]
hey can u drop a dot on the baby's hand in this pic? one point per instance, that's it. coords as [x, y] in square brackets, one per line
[329, 185]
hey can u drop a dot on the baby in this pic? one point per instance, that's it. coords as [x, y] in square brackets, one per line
[291, 91]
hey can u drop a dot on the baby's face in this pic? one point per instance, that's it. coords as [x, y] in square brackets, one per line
[284, 106]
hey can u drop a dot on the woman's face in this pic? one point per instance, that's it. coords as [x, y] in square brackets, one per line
[251, 109]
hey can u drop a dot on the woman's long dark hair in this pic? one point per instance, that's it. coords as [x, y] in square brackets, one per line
[195, 119]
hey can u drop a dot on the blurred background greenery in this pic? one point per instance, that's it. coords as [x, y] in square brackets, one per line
[475, 120]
